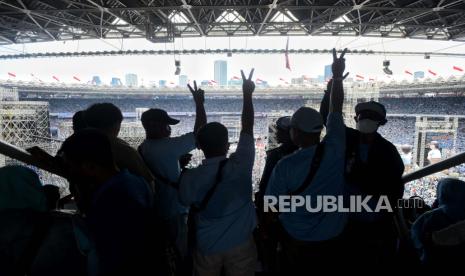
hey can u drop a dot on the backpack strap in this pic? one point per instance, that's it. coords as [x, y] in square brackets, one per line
[203, 204]
[316, 161]
[158, 176]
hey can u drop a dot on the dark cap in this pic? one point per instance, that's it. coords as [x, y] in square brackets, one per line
[371, 106]
[157, 115]
[284, 123]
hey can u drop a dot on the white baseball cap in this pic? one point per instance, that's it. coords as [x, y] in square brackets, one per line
[307, 120]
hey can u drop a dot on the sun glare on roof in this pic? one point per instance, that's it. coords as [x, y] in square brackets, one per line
[178, 17]
[230, 16]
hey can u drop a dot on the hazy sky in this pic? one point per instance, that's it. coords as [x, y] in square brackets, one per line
[200, 67]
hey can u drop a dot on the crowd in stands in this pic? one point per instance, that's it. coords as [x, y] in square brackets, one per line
[146, 211]
[414, 105]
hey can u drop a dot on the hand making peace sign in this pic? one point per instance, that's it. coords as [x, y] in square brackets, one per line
[248, 86]
[197, 93]
[339, 65]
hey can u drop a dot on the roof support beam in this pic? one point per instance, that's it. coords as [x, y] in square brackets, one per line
[271, 7]
[191, 15]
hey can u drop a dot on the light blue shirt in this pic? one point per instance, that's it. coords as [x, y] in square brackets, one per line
[290, 173]
[229, 217]
[162, 158]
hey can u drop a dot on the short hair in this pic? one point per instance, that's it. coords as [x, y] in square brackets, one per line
[103, 115]
[212, 137]
[79, 122]
[89, 146]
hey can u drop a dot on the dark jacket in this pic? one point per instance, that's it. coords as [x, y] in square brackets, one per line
[272, 158]
[381, 174]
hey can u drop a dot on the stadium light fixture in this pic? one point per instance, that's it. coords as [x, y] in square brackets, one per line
[177, 63]
[386, 70]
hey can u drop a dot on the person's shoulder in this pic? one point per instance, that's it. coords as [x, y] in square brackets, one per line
[387, 144]
[273, 151]
[290, 159]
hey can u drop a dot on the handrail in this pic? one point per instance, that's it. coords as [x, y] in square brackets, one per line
[25, 157]
[434, 168]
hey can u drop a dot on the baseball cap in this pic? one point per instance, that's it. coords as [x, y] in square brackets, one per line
[371, 106]
[157, 115]
[307, 120]
[284, 122]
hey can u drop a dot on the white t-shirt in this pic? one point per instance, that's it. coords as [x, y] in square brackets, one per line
[434, 154]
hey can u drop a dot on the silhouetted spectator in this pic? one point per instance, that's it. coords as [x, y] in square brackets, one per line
[220, 190]
[107, 118]
[451, 210]
[79, 121]
[310, 239]
[117, 205]
[268, 241]
[162, 154]
[373, 167]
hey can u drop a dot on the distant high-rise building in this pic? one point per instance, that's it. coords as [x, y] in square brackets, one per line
[221, 72]
[328, 72]
[183, 80]
[162, 83]
[96, 80]
[116, 82]
[131, 80]
[419, 75]
[321, 78]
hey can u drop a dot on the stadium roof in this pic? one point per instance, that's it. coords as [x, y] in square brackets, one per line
[23, 21]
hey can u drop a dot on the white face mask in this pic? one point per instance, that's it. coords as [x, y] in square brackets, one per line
[367, 126]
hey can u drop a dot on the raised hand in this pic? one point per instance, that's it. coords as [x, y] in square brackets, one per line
[248, 86]
[339, 65]
[197, 93]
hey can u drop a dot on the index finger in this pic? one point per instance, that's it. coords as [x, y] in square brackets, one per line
[343, 52]
[190, 88]
[243, 76]
[251, 74]
[195, 85]
[334, 54]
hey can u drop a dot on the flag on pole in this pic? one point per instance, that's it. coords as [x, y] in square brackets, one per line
[432, 72]
[360, 77]
[286, 54]
[76, 78]
[456, 68]
[55, 78]
[12, 74]
[408, 72]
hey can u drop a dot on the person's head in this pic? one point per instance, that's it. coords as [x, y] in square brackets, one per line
[89, 161]
[369, 116]
[433, 145]
[212, 139]
[157, 123]
[283, 127]
[406, 148]
[79, 122]
[21, 189]
[104, 116]
[450, 195]
[306, 126]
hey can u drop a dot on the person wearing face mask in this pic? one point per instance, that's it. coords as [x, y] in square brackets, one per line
[373, 168]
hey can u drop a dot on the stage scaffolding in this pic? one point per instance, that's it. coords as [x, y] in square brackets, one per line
[429, 125]
[26, 124]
